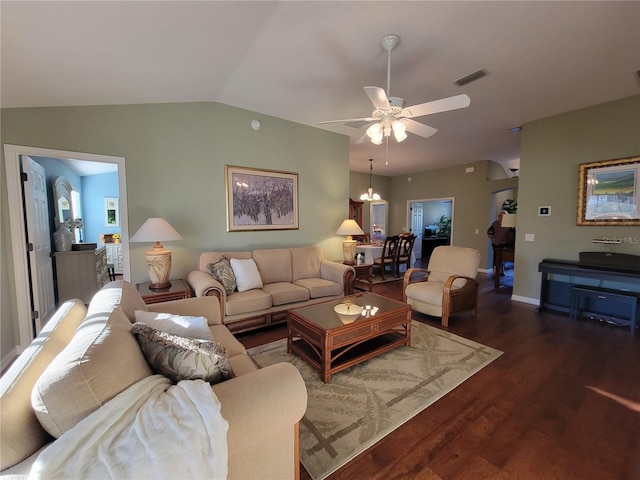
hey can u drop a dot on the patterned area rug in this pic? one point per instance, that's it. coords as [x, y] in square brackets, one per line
[364, 403]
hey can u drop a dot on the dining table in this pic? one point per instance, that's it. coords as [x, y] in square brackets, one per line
[371, 252]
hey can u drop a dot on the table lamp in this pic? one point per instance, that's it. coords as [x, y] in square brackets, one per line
[349, 227]
[159, 259]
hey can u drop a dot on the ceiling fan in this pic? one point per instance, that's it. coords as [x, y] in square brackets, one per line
[390, 113]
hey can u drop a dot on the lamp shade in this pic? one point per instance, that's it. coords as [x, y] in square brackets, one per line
[158, 259]
[509, 220]
[155, 230]
[349, 227]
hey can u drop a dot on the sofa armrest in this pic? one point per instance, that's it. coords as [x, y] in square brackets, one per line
[261, 402]
[208, 307]
[339, 273]
[204, 285]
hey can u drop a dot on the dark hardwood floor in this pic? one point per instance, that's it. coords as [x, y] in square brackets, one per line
[562, 402]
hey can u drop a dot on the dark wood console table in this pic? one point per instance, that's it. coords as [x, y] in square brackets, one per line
[613, 273]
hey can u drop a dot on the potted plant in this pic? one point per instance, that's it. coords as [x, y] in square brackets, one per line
[444, 226]
[510, 205]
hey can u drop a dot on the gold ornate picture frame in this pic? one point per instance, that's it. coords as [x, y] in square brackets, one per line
[261, 199]
[609, 192]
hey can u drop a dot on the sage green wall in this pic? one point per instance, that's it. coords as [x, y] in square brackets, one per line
[175, 157]
[472, 201]
[551, 151]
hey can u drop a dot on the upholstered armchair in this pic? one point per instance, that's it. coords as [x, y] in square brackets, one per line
[447, 286]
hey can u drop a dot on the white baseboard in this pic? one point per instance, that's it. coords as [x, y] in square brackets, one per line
[529, 300]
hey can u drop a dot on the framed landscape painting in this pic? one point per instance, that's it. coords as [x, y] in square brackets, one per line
[609, 192]
[261, 199]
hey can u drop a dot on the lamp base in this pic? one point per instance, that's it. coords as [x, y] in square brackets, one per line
[158, 268]
[349, 252]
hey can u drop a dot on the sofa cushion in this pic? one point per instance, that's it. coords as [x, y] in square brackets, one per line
[224, 337]
[222, 272]
[182, 358]
[242, 364]
[101, 360]
[319, 287]
[22, 433]
[285, 292]
[212, 257]
[249, 301]
[305, 262]
[274, 264]
[246, 273]
[185, 326]
[118, 293]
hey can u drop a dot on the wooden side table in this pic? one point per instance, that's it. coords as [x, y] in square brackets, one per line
[178, 290]
[364, 275]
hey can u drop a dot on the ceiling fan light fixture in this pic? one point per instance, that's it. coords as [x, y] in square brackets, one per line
[375, 133]
[399, 130]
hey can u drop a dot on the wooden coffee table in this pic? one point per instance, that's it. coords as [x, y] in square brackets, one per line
[318, 335]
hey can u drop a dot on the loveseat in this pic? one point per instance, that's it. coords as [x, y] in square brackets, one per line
[89, 355]
[288, 278]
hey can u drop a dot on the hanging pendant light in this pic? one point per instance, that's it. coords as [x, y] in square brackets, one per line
[370, 195]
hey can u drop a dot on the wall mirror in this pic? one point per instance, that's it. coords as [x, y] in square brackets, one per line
[67, 202]
[64, 208]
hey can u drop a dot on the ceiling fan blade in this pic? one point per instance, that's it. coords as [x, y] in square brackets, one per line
[362, 119]
[437, 106]
[378, 98]
[363, 138]
[418, 128]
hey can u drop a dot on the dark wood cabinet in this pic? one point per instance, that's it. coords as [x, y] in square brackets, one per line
[355, 211]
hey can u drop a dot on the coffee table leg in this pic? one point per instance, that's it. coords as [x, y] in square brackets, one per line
[326, 361]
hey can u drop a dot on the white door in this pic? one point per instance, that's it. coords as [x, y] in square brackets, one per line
[416, 228]
[37, 218]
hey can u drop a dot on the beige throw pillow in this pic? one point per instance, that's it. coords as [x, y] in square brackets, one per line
[101, 360]
[182, 358]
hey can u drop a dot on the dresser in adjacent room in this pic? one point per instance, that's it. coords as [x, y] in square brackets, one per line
[114, 257]
[80, 274]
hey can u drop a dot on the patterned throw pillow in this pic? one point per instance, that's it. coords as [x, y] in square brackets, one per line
[222, 272]
[181, 358]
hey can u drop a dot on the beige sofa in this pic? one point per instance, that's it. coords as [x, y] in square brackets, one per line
[262, 406]
[291, 277]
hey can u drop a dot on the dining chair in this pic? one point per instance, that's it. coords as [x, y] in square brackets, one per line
[389, 256]
[404, 252]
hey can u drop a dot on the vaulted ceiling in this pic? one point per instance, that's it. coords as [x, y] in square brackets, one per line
[309, 61]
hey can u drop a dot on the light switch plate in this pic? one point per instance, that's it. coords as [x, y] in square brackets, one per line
[529, 237]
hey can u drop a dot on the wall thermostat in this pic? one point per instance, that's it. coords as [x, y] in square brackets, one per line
[255, 124]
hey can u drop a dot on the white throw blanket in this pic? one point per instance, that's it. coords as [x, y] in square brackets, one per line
[151, 430]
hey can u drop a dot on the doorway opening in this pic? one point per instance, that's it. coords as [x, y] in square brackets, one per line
[431, 221]
[23, 277]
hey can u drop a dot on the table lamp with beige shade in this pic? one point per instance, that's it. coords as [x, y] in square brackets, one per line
[349, 227]
[158, 259]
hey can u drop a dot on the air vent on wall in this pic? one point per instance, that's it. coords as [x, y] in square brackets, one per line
[472, 77]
